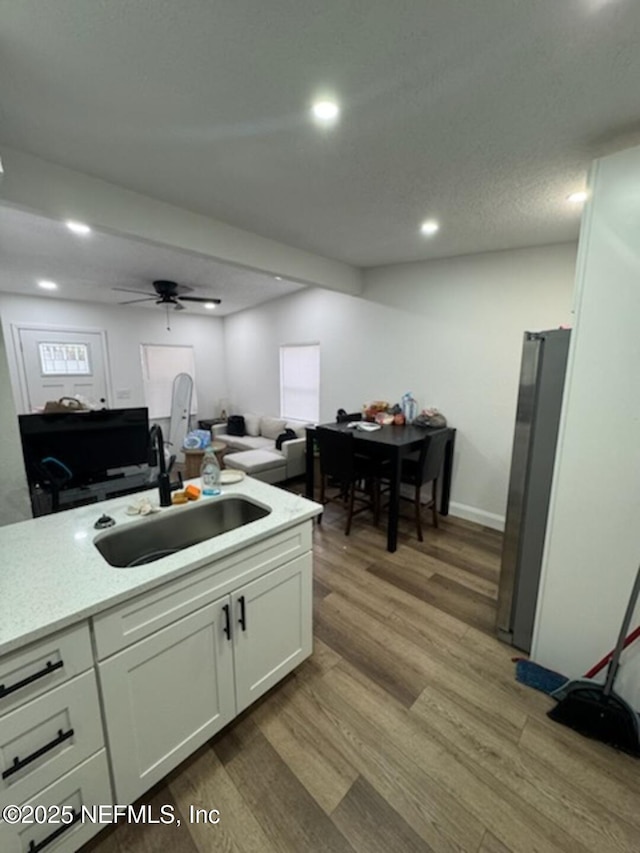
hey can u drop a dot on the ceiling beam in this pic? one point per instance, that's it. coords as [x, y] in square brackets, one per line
[37, 185]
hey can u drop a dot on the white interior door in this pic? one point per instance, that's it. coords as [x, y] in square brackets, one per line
[58, 363]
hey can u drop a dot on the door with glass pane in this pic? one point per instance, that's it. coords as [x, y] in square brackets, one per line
[62, 364]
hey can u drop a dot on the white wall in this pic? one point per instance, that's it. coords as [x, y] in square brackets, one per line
[450, 331]
[126, 329]
[14, 495]
[593, 542]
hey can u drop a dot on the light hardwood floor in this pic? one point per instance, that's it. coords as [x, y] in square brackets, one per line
[405, 731]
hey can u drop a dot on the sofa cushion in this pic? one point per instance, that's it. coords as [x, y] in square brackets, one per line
[254, 461]
[271, 427]
[251, 424]
[248, 442]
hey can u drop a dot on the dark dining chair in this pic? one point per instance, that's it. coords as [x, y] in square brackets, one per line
[354, 477]
[343, 417]
[423, 468]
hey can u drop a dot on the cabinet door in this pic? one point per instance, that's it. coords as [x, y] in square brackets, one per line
[165, 696]
[272, 628]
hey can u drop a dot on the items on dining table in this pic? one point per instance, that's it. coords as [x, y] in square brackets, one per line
[370, 410]
[430, 418]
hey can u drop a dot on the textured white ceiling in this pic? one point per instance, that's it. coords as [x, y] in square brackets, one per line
[87, 268]
[485, 114]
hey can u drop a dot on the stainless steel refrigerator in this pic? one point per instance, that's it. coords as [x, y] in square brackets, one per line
[542, 373]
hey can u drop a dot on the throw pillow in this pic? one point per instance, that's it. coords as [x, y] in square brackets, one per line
[252, 423]
[271, 427]
[235, 425]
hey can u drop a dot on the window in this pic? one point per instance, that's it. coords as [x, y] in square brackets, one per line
[300, 382]
[64, 359]
[160, 365]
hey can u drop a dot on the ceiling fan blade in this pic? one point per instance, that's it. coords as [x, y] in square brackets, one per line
[133, 301]
[200, 299]
[129, 290]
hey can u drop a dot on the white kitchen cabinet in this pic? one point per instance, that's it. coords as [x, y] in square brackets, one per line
[165, 696]
[272, 632]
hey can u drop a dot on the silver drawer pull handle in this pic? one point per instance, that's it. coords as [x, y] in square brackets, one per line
[19, 763]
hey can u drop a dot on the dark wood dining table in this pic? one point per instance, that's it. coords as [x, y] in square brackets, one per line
[390, 442]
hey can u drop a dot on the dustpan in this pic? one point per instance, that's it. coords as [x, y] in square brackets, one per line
[595, 710]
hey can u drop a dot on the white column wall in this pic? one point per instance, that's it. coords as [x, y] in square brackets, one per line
[593, 543]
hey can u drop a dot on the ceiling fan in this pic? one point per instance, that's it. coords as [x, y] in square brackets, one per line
[167, 293]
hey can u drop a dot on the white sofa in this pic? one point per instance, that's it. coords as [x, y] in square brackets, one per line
[255, 452]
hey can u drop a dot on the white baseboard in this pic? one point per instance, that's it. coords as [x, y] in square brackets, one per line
[471, 513]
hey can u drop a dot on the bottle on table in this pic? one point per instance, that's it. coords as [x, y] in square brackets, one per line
[210, 473]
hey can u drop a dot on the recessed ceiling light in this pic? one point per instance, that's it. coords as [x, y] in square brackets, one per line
[210, 305]
[430, 226]
[325, 112]
[78, 227]
[278, 277]
[45, 284]
[577, 198]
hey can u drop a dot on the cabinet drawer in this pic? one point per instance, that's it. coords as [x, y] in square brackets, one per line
[47, 663]
[48, 736]
[142, 616]
[86, 785]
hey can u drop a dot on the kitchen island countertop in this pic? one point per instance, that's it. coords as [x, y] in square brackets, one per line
[52, 575]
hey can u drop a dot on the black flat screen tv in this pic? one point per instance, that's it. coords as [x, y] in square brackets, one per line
[86, 447]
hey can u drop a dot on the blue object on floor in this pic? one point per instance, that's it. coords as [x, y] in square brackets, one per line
[539, 677]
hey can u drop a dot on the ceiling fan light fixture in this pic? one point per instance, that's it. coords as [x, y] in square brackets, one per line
[210, 305]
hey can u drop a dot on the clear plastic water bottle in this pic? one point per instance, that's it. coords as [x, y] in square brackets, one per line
[210, 473]
[409, 407]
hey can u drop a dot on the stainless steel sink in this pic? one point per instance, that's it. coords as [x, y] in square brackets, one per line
[161, 535]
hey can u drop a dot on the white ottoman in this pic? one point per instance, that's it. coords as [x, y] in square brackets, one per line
[266, 465]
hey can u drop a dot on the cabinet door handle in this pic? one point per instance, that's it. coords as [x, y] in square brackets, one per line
[35, 848]
[19, 763]
[243, 616]
[50, 667]
[227, 622]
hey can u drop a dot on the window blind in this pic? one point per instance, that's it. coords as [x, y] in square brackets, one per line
[300, 382]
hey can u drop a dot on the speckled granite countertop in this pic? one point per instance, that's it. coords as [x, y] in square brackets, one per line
[52, 575]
